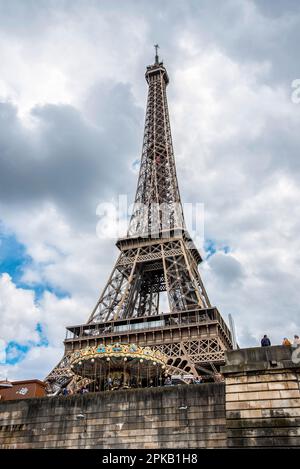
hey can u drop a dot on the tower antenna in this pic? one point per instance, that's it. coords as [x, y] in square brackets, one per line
[156, 46]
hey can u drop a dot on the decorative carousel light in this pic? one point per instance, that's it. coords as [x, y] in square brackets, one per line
[80, 363]
[108, 359]
[141, 360]
[92, 360]
[125, 359]
[154, 363]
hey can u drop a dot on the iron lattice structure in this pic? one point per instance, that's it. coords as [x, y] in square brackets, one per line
[156, 256]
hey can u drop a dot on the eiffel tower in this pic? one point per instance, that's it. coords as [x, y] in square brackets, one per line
[156, 256]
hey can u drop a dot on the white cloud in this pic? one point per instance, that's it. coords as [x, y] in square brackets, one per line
[18, 313]
[65, 257]
[55, 62]
[36, 365]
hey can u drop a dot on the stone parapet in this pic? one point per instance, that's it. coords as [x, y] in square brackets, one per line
[262, 397]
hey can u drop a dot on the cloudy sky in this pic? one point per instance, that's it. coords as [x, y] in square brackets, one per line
[72, 103]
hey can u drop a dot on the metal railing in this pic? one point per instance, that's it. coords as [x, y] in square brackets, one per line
[180, 318]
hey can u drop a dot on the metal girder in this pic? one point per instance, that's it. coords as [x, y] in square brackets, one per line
[164, 266]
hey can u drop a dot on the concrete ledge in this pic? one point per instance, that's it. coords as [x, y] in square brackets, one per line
[258, 359]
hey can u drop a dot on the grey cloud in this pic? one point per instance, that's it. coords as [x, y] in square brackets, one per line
[247, 31]
[253, 31]
[68, 159]
[227, 269]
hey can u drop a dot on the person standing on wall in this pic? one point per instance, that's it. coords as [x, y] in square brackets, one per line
[265, 341]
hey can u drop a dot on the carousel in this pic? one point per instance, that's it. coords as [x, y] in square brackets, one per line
[119, 366]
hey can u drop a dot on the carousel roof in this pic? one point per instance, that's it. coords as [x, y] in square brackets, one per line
[102, 358]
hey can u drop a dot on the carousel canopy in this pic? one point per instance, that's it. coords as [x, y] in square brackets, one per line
[102, 359]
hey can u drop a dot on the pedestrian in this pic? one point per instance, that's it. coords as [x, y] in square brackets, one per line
[168, 381]
[109, 383]
[296, 341]
[286, 342]
[265, 341]
[198, 380]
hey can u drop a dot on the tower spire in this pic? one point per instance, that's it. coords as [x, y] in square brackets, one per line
[157, 205]
[156, 46]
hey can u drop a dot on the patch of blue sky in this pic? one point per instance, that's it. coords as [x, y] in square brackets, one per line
[211, 247]
[13, 256]
[40, 288]
[16, 352]
[135, 165]
[14, 260]
[43, 342]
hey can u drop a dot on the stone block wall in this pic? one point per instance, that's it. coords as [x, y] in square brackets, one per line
[261, 392]
[262, 398]
[169, 417]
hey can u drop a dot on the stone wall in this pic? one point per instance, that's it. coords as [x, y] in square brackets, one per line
[262, 398]
[262, 410]
[170, 417]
